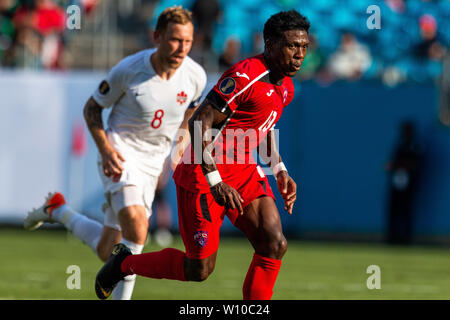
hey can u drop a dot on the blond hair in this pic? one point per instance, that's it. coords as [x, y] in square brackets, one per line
[175, 14]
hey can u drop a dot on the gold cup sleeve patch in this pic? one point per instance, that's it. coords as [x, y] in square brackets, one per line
[227, 86]
[104, 87]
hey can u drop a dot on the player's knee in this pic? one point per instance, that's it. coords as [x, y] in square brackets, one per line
[198, 274]
[277, 246]
[132, 214]
[281, 247]
[199, 271]
[133, 219]
[201, 276]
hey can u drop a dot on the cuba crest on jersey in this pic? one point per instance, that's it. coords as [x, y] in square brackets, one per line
[201, 238]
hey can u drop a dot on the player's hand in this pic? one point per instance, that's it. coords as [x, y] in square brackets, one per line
[112, 163]
[227, 197]
[288, 190]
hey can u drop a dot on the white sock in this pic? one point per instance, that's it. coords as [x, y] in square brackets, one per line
[87, 230]
[124, 288]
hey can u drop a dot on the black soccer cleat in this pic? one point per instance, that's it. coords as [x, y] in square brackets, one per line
[110, 274]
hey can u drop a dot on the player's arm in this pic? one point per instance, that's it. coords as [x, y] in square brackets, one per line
[206, 117]
[285, 183]
[111, 158]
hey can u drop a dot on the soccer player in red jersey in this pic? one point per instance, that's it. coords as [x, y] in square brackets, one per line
[219, 177]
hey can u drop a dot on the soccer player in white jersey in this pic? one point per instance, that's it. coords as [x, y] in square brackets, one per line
[152, 93]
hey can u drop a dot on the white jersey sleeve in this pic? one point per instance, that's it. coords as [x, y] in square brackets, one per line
[200, 81]
[112, 88]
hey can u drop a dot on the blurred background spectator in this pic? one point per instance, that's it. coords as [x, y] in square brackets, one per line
[37, 40]
[206, 14]
[351, 60]
[231, 53]
[7, 8]
[403, 171]
[429, 46]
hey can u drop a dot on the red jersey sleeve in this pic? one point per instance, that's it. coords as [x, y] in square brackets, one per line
[230, 84]
[233, 85]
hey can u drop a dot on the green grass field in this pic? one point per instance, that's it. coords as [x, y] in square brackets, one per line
[33, 266]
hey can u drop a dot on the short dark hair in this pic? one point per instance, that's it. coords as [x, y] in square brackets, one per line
[284, 21]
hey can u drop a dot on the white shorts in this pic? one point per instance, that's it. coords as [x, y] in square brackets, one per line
[142, 193]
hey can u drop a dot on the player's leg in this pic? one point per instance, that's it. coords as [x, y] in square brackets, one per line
[134, 224]
[200, 233]
[262, 226]
[130, 218]
[199, 269]
[55, 209]
[171, 264]
[122, 264]
[134, 233]
[200, 236]
[110, 236]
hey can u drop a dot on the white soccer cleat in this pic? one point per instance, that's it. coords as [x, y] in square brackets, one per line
[37, 217]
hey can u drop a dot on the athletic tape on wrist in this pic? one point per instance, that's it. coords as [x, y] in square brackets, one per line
[213, 178]
[278, 168]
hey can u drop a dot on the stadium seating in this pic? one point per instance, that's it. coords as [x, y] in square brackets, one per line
[393, 45]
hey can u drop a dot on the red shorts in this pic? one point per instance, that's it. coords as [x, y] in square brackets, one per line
[200, 217]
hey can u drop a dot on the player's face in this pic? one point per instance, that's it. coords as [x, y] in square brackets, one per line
[175, 43]
[290, 52]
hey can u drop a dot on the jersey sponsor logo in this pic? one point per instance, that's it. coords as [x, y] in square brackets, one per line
[227, 86]
[104, 87]
[201, 238]
[270, 92]
[243, 75]
[181, 97]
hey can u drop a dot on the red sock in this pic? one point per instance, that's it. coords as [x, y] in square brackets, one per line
[261, 277]
[164, 264]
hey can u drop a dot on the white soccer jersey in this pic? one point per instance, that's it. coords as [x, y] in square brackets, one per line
[147, 110]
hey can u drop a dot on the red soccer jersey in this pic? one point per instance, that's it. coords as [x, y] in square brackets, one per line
[256, 105]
